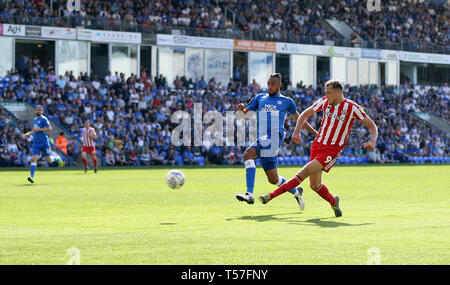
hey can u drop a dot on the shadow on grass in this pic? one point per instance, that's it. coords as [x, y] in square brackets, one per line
[291, 219]
[167, 224]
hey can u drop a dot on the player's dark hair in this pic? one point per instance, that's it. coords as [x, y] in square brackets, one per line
[276, 75]
[334, 84]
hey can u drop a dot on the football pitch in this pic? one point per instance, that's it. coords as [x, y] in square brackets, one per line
[391, 215]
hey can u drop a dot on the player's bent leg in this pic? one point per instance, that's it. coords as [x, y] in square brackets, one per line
[94, 158]
[33, 167]
[315, 182]
[250, 155]
[53, 161]
[311, 167]
[274, 178]
[83, 155]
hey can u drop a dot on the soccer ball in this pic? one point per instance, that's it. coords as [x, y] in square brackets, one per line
[175, 179]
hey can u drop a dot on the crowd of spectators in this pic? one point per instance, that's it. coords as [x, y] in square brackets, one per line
[14, 149]
[132, 116]
[416, 22]
[419, 23]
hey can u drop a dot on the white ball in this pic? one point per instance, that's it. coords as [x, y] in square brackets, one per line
[175, 179]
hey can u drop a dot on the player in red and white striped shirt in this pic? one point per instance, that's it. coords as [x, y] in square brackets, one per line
[339, 114]
[88, 137]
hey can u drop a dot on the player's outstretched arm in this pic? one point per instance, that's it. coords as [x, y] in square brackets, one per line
[306, 126]
[373, 130]
[296, 137]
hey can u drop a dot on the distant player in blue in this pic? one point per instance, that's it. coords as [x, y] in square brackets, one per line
[276, 105]
[41, 143]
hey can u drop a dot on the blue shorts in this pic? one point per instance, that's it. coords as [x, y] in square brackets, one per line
[269, 159]
[41, 148]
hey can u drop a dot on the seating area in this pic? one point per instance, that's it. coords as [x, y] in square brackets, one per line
[132, 117]
[429, 159]
[417, 26]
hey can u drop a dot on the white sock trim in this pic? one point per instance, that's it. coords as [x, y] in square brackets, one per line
[250, 163]
[279, 180]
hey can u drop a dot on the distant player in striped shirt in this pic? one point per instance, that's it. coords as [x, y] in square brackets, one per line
[88, 137]
[339, 114]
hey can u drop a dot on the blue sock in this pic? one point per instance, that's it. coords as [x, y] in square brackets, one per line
[33, 169]
[250, 173]
[281, 180]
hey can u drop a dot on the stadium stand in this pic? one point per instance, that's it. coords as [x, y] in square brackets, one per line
[132, 117]
[401, 25]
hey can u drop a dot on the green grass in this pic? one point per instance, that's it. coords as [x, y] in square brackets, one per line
[130, 216]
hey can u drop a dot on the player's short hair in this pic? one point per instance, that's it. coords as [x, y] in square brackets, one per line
[39, 106]
[276, 75]
[334, 84]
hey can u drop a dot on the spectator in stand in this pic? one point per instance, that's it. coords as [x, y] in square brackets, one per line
[121, 160]
[73, 149]
[178, 83]
[109, 157]
[61, 143]
[169, 159]
[132, 158]
[156, 157]
[188, 156]
[145, 157]
[4, 156]
[254, 87]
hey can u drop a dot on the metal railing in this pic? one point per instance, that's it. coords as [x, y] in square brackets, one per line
[90, 22]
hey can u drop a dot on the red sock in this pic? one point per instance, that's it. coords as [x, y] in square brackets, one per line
[325, 194]
[95, 162]
[85, 162]
[288, 185]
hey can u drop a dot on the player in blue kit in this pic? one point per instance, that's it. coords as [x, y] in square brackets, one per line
[269, 106]
[41, 143]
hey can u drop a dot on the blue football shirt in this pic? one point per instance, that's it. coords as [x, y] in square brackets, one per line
[276, 106]
[41, 137]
